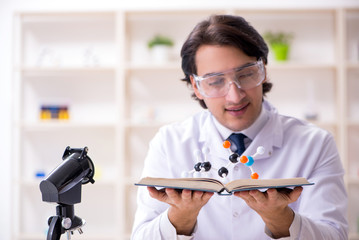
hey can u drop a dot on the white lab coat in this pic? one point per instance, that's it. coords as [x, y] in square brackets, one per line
[293, 148]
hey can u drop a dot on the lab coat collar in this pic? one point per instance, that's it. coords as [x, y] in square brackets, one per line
[212, 139]
[270, 136]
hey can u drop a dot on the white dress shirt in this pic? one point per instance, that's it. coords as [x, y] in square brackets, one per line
[293, 148]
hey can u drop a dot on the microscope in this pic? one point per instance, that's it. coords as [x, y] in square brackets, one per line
[63, 186]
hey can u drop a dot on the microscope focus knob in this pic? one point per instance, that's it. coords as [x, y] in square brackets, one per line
[66, 223]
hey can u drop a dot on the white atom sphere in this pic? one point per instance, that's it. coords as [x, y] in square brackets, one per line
[260, 150]
[185, 174]
[205, 150]
[197, 174]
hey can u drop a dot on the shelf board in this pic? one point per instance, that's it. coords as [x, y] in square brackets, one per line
[353, 65]
[61, 16]
[290, 65]
[48, 70]
[148, 125]
[174, 66]
[353, 123]
[60, 125]
[31, 183]
[29, 236]
[353, 181]
[130, 182]
[25, 236]
[297, 65]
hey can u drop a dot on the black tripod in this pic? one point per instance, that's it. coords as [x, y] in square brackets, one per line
[64, 221]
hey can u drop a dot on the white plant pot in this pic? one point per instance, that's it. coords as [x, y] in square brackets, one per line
[160, 54]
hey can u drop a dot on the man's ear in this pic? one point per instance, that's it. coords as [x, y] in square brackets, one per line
[195, 89]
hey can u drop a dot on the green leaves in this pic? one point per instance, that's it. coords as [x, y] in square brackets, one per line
[278, 37]
[160, 40]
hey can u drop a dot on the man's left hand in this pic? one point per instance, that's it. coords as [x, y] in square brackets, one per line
[272, 206]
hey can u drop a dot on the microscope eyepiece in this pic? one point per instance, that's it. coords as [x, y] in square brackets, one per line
[63, 184]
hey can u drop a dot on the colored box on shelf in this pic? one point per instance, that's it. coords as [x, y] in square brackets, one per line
[58, 112]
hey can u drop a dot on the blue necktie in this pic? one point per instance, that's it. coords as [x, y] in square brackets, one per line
[238, 140]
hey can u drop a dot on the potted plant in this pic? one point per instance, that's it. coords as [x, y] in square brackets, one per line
[279, 42]
[160, 48]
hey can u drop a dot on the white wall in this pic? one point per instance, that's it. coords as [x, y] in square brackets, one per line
[8, 7]
[5, 119]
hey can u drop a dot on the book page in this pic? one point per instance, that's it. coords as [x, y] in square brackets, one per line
[200, 184]
[248, 184]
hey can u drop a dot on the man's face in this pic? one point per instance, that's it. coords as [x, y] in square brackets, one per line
[239, 108]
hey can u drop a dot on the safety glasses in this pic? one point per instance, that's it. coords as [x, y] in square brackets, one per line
[218, 84]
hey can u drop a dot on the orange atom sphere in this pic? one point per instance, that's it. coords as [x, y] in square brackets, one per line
[254, 175]
[226, 144]
[243, 159]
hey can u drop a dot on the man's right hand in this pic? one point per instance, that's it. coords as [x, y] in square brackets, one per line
[184, 206]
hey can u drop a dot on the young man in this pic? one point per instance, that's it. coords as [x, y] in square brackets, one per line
[224, 60]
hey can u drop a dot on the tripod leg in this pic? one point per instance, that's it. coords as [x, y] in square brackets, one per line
[54, 232]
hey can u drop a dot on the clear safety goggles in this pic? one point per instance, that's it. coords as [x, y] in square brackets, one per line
[217, 84]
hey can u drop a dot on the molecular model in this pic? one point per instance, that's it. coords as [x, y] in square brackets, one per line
[246, 160]
[203, 168]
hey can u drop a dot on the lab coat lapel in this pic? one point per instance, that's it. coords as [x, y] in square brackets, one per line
[213, 140]
[270, 136]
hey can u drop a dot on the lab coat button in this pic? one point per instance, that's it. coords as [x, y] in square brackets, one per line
[236, 168]
[235, 214]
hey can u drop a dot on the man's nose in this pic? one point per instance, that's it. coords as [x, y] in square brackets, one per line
[235, 93]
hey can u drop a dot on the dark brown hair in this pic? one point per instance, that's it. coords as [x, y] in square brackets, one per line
[223, 30]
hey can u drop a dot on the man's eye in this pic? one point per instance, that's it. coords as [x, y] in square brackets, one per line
[244, 75]
[216, 81]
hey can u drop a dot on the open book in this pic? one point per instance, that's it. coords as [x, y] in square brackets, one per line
[213, 185]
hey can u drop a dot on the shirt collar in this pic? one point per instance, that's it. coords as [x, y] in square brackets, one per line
[250, 132]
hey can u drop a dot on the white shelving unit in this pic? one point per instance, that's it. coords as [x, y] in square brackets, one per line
[99, 65]
[67, 59]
